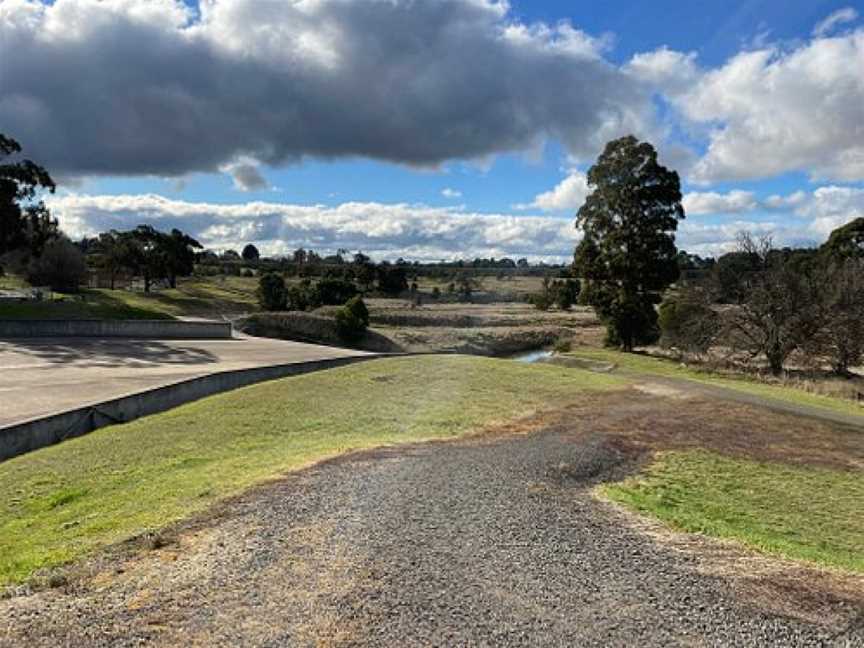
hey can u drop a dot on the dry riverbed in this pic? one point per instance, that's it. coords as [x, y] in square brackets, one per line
[496, 329]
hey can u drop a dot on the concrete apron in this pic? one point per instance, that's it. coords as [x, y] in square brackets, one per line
[96, 328]
[20, 438]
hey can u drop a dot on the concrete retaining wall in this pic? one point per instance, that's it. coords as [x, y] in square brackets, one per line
[31, 435]
[162, 329]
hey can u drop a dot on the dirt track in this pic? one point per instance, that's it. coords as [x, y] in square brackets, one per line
[491, 541]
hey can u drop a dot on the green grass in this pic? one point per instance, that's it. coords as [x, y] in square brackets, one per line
[89, 304]
[803, 513]
[199, 297]
[12, 282]
[67, 500]
[662, 367]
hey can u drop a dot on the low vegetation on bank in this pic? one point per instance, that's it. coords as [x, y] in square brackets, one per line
[118, 482]
[212, 297]
[809, 393]
[800, 512]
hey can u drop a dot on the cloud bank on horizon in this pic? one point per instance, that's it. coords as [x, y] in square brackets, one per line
[430, 233]
[234, 86]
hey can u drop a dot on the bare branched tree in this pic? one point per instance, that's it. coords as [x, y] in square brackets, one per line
[779, 310]
[840, 338]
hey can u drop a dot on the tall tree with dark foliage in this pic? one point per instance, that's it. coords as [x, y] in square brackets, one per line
[24, 222]
[628, 253]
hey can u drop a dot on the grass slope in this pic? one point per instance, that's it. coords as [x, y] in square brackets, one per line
[807, 513]
[662, 367]
[67, 500]
[195, 297]
[90, 304]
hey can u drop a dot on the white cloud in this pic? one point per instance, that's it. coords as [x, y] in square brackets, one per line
[447, 192]
[422, 232]
[774, 112]
[839, 17]
[383, 230]
[767, 111]
[567, 195]
[830, 207]
[710, 202]
[802, 219]
[665, 69]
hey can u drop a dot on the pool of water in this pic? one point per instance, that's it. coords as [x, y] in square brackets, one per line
[532, 356]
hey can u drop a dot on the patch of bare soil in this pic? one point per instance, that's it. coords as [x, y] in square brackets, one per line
[735, 429]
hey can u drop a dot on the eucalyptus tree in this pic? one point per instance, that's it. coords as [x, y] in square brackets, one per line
[24, 221]
[627, 255]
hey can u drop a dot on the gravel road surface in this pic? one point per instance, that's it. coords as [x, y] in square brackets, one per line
[490, 541]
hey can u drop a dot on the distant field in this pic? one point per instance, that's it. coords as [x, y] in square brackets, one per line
[516, 287]
[64, 501]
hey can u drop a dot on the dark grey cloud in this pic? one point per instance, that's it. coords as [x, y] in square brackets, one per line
[247, 177]
[123, 87]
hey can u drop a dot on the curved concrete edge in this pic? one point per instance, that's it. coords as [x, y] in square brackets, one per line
[20, 438]
[101, 328]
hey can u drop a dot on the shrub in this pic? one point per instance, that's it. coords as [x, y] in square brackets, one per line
[546, 297]
[466, 288]
[540, 301]
[566, 293]
[272, 295]
[392, 281]
[563, 345]
[297, 298]
[436, 293]
[357, 306]
[352, 320]
[60, 266]
[333, 291]
[630, 321]
[687, 322]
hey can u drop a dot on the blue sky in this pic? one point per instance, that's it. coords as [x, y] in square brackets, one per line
[686, 94]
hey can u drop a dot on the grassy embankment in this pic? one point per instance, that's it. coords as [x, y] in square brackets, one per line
[196, 297]
[804, 512]
[799, 512]
[648, 365]
[65, 501]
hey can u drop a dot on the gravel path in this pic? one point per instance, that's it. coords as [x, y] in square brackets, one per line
[484, 542]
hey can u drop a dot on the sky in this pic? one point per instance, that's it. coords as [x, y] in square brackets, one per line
[433, 129]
